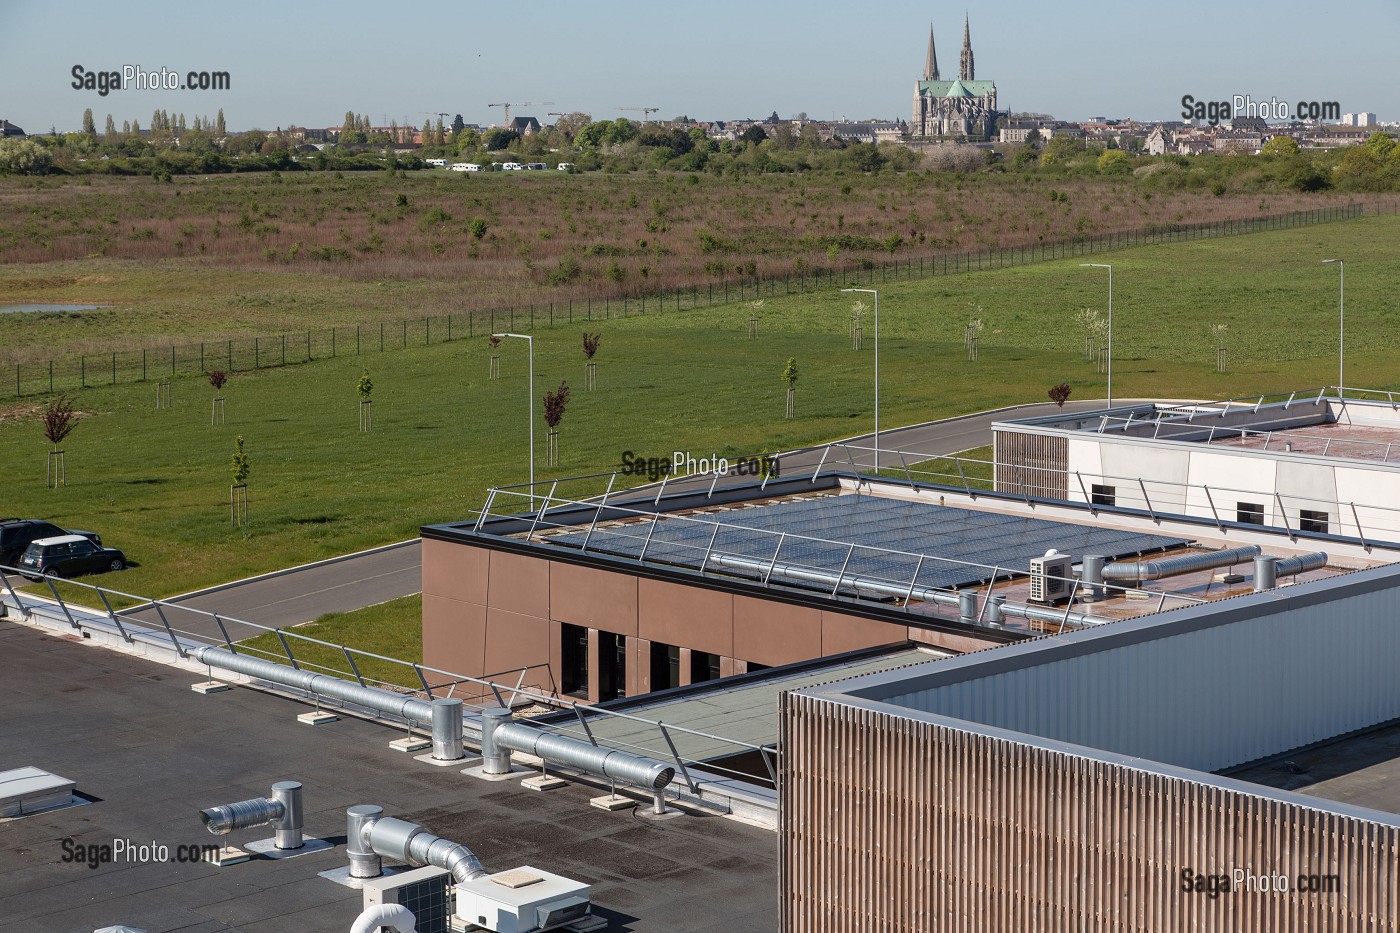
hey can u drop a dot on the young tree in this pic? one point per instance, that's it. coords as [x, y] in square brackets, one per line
[590, 368]
[89, 127]
[495, 342]
[238, 469]
[790, 377]
[1059, 394]
[109, 131]
[219, 128]
[59, 420]
[554, 404]
[365, 388]
[217, 378]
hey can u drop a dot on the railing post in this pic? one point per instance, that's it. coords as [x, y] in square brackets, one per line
[227, 641]
[641, 558]
[1283, 513]
[113, 616]
[5, 578]
[820, 463]
[676, 755]
[545, 508]
[1088, 499]
[61, 604]
[913, 581]
[1359, 533]
[598, 511]
[1211, 500]
[584, 722]
[485, 509]
[175, 642]
[907, 475]
[967, 487]
[713, 483]
[424, 681]
[1069, 604]
[1143, 487]
[782, 536]
[710, 547]
[662, 491]
[354, 668]
[287, 649]
[844, 564]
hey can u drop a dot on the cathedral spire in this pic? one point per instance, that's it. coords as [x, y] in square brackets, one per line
[931, 61]
[965, 69]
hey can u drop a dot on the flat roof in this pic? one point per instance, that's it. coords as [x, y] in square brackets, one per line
[1361, 769]
[743, 708]
[133, 736]
[863, 536]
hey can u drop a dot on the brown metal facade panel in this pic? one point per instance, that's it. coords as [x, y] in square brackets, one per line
[891, 823]
[1032, 464]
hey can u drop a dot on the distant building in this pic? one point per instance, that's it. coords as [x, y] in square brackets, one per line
[8, 129]
[962, 108]
[870, 132]
[525, 126]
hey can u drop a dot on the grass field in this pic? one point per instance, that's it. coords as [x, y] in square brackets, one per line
[222, 256]
[155, 483]
[393, 629]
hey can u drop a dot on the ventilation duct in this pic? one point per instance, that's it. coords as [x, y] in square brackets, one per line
[370, 836]
[500, 735]
[282, 810]
[926, 594]
[1268, 569]
[443, 715]
[379, 916]
[1137, 571]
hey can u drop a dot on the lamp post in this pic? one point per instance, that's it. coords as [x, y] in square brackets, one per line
[1109, 267]
[871, 291]
[531, 389]
[1341, 321]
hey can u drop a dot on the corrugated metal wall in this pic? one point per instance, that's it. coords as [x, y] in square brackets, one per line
[892, 823]
[1032, 464]
[1277, 673]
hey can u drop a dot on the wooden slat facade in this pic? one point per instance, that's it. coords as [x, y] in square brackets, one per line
[1032, 464]
[897, 823]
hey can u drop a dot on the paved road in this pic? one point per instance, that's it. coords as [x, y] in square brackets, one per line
[297, 595]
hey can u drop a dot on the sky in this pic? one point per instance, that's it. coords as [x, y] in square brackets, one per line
[306, 63]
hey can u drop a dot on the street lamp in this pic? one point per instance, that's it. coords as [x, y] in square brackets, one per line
[871, 291]
[1341, 322]
[1109, 267]
[531, 390]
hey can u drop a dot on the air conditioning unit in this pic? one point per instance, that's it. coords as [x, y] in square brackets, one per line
[1050, 578]
[422, 890]
[522, 900]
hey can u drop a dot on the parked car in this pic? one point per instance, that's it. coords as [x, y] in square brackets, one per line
[68, 556]
[16, 534]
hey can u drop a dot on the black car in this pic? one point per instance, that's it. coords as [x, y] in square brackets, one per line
[16, 534]
[68, 556]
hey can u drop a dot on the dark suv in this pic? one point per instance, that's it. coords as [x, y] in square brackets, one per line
[68, 556]
[17, 534]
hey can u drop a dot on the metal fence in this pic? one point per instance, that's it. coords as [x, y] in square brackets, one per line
[177, 628]
[169, 361]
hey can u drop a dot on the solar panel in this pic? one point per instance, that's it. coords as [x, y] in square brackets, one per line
[822, 537]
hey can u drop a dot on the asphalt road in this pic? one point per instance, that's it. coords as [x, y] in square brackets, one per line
[297, 595]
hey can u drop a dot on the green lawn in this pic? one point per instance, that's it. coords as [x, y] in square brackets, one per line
[156, 482]
[393, 629]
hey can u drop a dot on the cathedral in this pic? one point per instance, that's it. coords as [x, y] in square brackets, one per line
[965, 108]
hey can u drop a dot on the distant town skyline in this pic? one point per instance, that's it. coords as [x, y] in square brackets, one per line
[307, 64]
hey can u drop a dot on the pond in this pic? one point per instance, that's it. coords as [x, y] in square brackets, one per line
[20, 309]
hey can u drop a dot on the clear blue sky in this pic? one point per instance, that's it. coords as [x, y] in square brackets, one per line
[306, 63]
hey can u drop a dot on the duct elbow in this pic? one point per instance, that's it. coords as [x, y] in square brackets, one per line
[378, 916]
[451, 856]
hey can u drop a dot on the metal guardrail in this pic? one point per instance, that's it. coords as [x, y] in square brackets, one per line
[490, 692]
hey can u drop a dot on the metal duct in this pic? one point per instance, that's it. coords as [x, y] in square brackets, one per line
[967, 606]
[283, 809]
[499, 732]
[1092, 574]
[1175, 566]
[378, 916]
[1289, 566]
[995, 604]
[443, 715]
[364, 861]
[885, 588]
[408, 842]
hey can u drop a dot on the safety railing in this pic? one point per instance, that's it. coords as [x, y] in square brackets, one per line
[839, 570]
[150, 624]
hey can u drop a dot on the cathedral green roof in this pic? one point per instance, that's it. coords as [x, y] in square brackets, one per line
[956, 88]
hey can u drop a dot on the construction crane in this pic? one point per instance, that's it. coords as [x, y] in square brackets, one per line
[644, 111]
[527, 103]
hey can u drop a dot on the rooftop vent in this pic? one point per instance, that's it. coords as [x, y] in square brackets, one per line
[29, 790]
[1050, 577]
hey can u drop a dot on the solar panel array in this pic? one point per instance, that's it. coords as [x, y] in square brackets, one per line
[952, 539]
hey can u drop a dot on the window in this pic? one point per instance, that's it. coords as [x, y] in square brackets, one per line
[573, 659]
[703, 666]
[1249, 513]
[1315, 522]
[665, 666]
[1103, 495]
